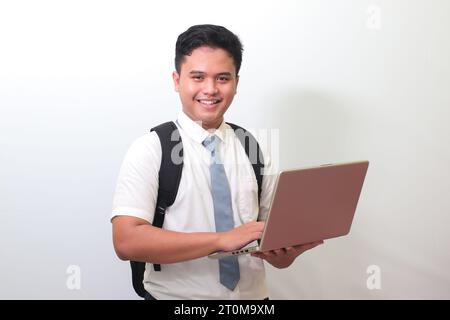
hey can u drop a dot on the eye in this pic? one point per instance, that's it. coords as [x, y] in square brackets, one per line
[223, 79]
[197, 77]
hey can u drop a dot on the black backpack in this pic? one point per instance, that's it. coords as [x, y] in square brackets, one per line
[169, 180]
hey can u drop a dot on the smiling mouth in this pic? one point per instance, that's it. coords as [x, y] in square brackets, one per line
[209, 102]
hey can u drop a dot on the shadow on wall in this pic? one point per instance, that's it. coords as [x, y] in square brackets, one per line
[314, 127]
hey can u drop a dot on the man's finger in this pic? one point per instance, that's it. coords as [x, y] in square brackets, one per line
[309, 245]
[277, 251]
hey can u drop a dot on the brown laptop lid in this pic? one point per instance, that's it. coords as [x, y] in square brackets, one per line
[314, 204]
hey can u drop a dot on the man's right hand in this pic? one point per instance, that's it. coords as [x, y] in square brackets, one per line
[239, 237]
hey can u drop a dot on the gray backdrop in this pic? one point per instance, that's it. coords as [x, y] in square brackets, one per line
[340, 80]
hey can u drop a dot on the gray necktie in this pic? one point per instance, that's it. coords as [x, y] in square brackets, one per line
[223, 212]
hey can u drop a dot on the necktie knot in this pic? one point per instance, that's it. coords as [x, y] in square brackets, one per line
[210, 143]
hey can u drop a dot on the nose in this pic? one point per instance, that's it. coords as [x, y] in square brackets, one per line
[209, 87]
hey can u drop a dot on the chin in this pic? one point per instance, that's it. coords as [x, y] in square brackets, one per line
[210, 121]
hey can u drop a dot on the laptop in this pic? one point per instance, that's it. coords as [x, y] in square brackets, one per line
[309, 205]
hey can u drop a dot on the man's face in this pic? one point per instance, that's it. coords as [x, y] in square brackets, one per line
[207, 84]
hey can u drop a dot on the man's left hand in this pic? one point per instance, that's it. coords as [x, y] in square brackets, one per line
[283, 258]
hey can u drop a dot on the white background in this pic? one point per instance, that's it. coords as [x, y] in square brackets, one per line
[341, 80]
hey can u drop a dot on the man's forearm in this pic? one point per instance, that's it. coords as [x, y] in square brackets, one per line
[155, 245]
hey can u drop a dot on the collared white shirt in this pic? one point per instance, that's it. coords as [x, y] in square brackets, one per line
[136, 194]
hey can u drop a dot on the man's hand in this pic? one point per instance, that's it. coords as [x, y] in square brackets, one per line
[239, 237]
[283, 258]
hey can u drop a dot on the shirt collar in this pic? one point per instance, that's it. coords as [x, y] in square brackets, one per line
[196, 132]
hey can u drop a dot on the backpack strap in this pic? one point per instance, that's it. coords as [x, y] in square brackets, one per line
[253, 152]
[169, 171]
[137, 276]
[169, 180]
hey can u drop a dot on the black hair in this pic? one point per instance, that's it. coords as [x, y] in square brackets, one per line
[211, 36]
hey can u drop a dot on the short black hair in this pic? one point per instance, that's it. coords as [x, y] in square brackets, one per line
[211, 36]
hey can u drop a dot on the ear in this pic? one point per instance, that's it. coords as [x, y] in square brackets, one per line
[176, 80]
[237, 81]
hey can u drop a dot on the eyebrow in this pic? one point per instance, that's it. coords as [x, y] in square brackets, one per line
[196, 72]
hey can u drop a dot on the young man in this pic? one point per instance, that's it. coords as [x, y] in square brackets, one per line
[207, 63]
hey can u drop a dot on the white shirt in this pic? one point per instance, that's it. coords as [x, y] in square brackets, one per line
[192, 211]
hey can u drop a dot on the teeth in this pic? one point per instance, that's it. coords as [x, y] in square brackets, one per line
[208, 101]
